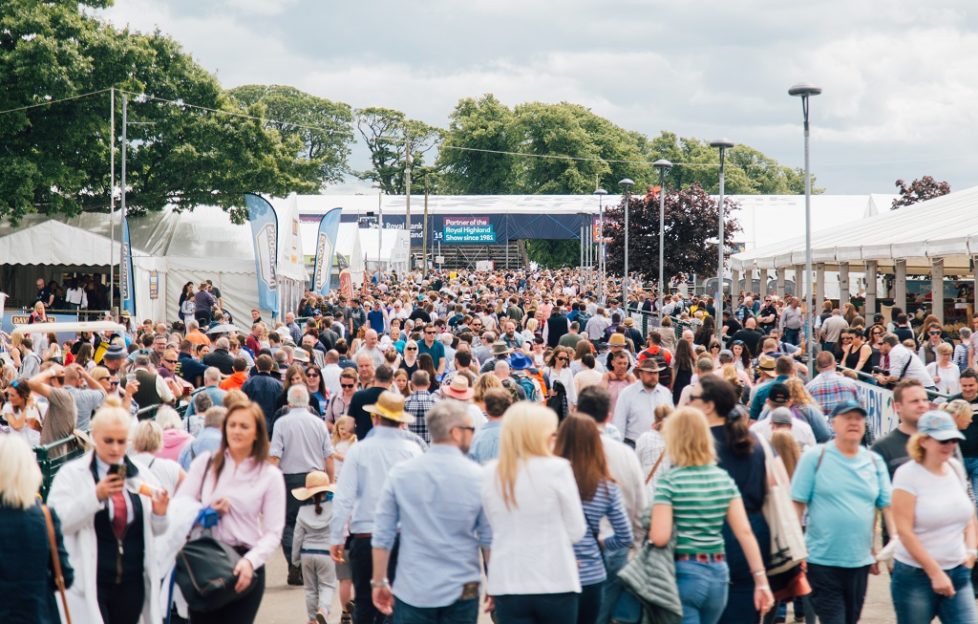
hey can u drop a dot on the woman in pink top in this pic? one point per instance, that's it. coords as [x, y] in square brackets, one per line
[249, 494]
[175, 436]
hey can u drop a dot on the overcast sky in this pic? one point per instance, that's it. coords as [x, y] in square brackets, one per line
[900, 77]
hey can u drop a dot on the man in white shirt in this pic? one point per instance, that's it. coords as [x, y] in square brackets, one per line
[636, 403]
[904, 364]
[781, 419]
[331, 372]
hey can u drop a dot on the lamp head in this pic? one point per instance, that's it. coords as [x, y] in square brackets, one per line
[722, 143]
[662, 165]
[600, 191]
[804, 89]
[627, 183]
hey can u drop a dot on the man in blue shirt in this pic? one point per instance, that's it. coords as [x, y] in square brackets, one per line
[434, 348]
[485, 444]
[438, 569]
[842, 484]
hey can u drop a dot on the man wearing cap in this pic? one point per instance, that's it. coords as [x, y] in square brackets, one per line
[829, 387]
[841, 484]
[365, 470]
[780, 418]
[438, 566]
[636, 404]
[300, 445]
[500, 352]
[632, 334]
[772, 371]
[910, 402]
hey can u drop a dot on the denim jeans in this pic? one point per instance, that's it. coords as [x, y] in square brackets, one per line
[702, 590]
[915, 601]
[792, 336]
[838, 593]
[614, 561]
[536, 608]
[459, 612]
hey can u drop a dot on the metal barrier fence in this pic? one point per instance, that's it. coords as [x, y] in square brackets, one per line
[51, 457]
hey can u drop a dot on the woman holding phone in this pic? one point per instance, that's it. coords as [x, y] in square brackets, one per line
[112, 509]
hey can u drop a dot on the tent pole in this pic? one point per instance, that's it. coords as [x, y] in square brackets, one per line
[111, 196]
[122, 205]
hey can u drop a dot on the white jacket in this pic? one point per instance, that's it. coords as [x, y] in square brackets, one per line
[73, 497]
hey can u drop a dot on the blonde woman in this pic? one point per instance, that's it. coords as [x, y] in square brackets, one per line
[694, 499]
[111, 528]
[27, 570]
[532, 502]
[483, 384]
[146, 443]
[936, 523]
[960, 411]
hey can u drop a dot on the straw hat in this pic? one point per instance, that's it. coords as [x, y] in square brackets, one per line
[458, 389]
[617, 340]
[316, 481]
[649, 365]
[390, 405]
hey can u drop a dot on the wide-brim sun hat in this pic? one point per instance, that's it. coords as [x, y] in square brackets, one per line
[316, 481]
[458, 389]
[519, 362]
[649, 365]
[390, 406]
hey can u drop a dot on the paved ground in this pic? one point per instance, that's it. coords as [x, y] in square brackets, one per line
[286, 605]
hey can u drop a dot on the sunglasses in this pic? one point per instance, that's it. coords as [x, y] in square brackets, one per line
[172, 361]
[933, 333]
[312, 374]
[410, 348]
[716, 347]
[346, 385]
[561, 359]
[944, 442]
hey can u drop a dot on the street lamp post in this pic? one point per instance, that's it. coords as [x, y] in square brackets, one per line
[723, 145]
[805, 91]
[662, 166]
[626, 184]
[600, 192]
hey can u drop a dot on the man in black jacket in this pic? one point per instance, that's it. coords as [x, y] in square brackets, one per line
[556, 324]
[221, 358]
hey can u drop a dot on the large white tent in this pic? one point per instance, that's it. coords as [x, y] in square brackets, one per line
[169, 248]
[348, 247]
[387, 249]
[937, 237]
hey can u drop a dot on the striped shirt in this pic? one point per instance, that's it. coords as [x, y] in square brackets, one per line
[700, 496]
[606, 502]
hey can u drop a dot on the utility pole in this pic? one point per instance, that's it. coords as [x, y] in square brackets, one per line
[407, 190]
[111, 196]
[122, 206]
[424, 228]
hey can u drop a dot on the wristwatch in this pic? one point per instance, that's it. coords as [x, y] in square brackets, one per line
[382, 583]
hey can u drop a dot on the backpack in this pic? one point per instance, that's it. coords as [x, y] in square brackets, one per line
[558, 401]
[529, 387]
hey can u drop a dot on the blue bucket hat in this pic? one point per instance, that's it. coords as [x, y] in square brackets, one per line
[518, 362]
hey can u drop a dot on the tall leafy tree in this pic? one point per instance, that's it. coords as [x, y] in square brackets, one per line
[385, 131]
[691, 220]
[919, 190]
[55, 156]
[473, 159]
[323, 126]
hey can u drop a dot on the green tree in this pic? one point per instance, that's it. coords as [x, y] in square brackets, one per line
[55, 157]
[323, 126]
[480, 130]
[385, 132]
[554, 254]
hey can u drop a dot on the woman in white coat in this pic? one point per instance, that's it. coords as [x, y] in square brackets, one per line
[110, 528]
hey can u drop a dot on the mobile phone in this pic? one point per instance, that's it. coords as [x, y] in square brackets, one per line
[118, 469]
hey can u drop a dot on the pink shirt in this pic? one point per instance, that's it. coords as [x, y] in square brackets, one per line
[257, 496]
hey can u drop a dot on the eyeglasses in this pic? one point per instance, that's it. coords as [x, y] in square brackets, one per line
[172, 361]
[346, 385]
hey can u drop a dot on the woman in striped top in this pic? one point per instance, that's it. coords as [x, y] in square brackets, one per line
[695, 497]
[579, 441]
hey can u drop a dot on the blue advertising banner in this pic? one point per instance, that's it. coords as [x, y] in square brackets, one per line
[329, 227]
[468, 230]
[127, 291]
[264, 235]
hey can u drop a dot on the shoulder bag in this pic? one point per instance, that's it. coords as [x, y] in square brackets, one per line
[205, 565]
[59, 579]
[786, 570]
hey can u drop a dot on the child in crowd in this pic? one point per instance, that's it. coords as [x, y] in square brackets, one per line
[310, 545]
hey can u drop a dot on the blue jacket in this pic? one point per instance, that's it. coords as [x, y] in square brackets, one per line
[26, 574]
[264, 390]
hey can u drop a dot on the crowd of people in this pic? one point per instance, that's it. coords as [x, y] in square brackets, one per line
[432, 446]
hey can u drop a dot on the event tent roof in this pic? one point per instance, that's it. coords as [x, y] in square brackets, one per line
[944, 227]
[763, 218]
[39, 239]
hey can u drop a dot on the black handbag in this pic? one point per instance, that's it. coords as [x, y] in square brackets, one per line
[205, 566]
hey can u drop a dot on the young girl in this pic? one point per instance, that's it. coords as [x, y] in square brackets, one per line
[310, 544]
[343, 439]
